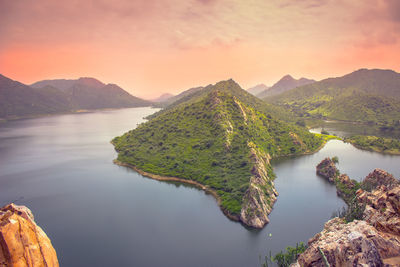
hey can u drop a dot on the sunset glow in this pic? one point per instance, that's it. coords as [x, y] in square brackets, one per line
[152, 47]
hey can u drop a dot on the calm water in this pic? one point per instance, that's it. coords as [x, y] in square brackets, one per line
[100, 214]
[347, 129]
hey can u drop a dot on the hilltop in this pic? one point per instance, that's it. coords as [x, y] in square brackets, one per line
[220, 141]
[363, 96]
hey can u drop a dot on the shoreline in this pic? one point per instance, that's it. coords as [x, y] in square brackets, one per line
[198, 185]
[370, 149]
[78, 111]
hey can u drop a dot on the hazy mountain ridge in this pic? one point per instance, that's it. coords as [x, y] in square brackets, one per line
[17, 99]
[255, 90]
[162, 98]
[179, 97]
[220, 140]
[57, 96]
[286, 83]
[364, 95]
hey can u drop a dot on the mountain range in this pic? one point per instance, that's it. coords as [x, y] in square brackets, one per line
[363, 95]
[58, 96]
[286, 83]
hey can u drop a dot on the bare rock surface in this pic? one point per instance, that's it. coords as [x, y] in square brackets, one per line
[23, 243]
[327, 169]
[373, 241]
[350, 244]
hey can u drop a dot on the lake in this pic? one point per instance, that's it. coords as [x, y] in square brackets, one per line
[100, 214]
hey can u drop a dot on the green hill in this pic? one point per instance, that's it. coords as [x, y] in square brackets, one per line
[363, 96]
[222, 141]
[194, 94]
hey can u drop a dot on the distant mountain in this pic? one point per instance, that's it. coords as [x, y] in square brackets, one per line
[162, 98]
[90, 93]
[45, 97]
[17, 99]
[179, 97]
[221, 139]
[364, 95]
[255, 90]
[283, 85]
[65, 84]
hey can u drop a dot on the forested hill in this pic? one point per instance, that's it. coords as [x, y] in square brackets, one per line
[364, 95]
[221, 141]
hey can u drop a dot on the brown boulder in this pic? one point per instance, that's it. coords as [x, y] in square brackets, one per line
[23, 243]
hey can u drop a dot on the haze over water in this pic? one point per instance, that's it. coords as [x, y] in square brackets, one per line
[99, 214]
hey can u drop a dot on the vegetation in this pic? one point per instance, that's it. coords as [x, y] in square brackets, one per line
[369, 96]
[209, 139]
[346, 189]
[353, 211]
[285, 258]
[378, 144]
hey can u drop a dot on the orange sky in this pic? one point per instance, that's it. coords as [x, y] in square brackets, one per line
[150, 47]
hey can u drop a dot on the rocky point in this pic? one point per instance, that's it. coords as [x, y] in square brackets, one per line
[372, 241]
[23, 243]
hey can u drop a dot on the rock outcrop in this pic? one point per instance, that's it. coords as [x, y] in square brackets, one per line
[373, 241]
[23, 243]
[261, 194]
[352, 244]
[377, 178]
[327, 169]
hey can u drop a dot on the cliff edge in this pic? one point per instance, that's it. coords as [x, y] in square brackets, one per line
[23, 243]
[371, 240]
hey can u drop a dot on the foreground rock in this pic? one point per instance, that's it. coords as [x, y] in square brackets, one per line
[373, 241]
[23, 243]
[352, 244]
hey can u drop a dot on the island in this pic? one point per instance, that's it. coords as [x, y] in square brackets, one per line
[221, 140]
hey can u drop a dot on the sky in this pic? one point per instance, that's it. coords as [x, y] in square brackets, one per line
[152, 47]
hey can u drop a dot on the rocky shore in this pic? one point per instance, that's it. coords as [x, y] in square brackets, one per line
[374, 239]
[23, 243]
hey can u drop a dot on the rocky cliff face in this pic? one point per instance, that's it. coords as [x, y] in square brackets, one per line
[261, 194]
[23, 243]
[373, 241]
[327, 169]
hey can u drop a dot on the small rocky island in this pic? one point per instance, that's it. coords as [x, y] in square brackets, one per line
[220, 139]
[369, 232]
[23, 243]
